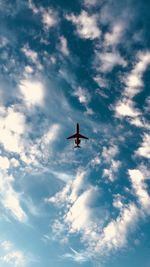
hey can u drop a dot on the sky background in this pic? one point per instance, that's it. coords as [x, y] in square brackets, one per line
[63, 62]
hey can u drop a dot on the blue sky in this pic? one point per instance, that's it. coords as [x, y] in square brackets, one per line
[63, 62]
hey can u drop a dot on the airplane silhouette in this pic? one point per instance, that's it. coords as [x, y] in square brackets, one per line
[77, 136]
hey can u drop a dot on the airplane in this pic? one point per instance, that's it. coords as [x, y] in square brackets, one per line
[77, 136]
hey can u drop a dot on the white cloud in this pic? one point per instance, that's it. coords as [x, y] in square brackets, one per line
[64, 46]
[33, 57]
[113, 38]
[51, 134]
[33, 7]
[96, 161]
[102, 83]
[83, 95]
[125, 108]
[11, 199]
[28, 69]
[33, 92]
[4, 163]
[86, 25]
[134, 81]
[76, 256]
[6, 245]
[144, 149]
[48, 18]
[133, 86]
[115, 233]
[30, 53]
[11, 128]
[111, 172]
[108, 60]
[109, 153]
[140, 188]
[15, 258]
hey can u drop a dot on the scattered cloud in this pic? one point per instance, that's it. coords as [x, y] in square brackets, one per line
[114, 235]
[82, 95]
[15, 258]
[86, 25]
[6, 245]
[133, 86]
[144, 149]
[76, 256]
[109, 152]
[140, 188]
[125, 108]
[33, 57]
[112, 171]
[13, 125]
[106, 61]
[11, 199]
[33, 92]
[134, 82]
[64, 46]
[113, 37]
[48, 16]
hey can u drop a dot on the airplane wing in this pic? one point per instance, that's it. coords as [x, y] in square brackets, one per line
[72, 136]
[82, 136]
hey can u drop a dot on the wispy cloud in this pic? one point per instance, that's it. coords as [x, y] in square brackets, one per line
[86, 25]
[64, 46]
[48, 16]
[106, 61]
[10, 199]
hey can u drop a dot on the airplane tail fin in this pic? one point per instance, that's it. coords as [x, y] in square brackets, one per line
[77, 146]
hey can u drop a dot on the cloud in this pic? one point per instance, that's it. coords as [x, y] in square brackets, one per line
[11, 199]
[86, 25]
[11, 128]
[15, 258]
[113, 38]
[133, 86]
[83, 95]
[33, 57]
[33, 92]
[64, 46]
[134, 81]
[140, 188]
[29, 53]
[125, 108]
[4, 163]
[108, 60]
[6, 245]
[115, 234]
[81, 214]
[144, 149]
[109, 152]
[90, 2]
[76, 256]
[84, 98]
[48, 16]
[112, 171]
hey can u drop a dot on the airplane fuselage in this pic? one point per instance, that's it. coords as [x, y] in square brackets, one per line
[77, 139]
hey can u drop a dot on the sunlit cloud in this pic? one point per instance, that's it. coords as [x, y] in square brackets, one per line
[86, 25]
